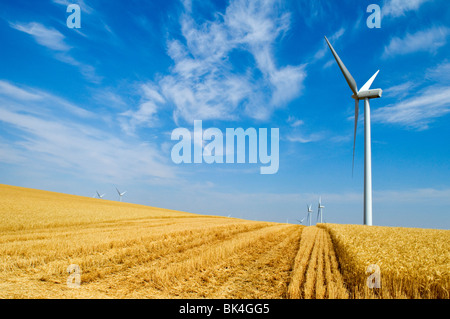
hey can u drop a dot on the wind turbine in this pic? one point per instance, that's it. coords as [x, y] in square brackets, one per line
[319, 210]
[301, 221]
[120, 194]
[365, 93]
[100, 196]
[309, 213]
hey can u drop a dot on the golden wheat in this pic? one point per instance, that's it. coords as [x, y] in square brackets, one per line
[414, 263]
[133, 251]
[316, 272]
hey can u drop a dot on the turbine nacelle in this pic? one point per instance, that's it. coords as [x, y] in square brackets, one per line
[368, 94]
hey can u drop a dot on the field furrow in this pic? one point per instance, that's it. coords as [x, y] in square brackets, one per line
[316, 273]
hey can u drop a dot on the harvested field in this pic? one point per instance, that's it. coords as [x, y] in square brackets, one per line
[125, 250]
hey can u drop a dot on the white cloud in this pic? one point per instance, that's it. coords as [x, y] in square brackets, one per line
[205, 81]
[48, 37]
[324, 47]
[17, 93]
[294, 122]
[299, 138]
[54, 40]
[400, 90]
[314, 11]
[88, 71]
[45, 132]
[145, 115]
[418, 111]
[439, 73]
[36, 101]
[396, 8]
[83, 6]
[426, 40]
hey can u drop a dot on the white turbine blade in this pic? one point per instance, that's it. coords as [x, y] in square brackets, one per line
[367, 85]
[118, 192]
[98, 194]
[123, 193]
[354, 133]
[348, 77]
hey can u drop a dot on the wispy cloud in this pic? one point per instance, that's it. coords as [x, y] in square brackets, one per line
[17, 93]
[313, 11]
[88, 71]
[205, 81]
[146, 114]
[439, 73]
[294, 122]
[426, 40]
[301, 138]
[55, 41]
[83, 6]
[46, 133]
[400, 90]
[396, 8]
[419, 111]
[324, 47]
[37, 101]
[47, 37]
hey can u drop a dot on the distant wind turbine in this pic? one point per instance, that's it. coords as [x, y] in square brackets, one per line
[120, 194]
[100, 196]
[319, 210]
[309, 207]
[365, 93]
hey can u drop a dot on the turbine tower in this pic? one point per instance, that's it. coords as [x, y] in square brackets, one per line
[319, 210]
[365, 93]
[100, 196]
[120, 194]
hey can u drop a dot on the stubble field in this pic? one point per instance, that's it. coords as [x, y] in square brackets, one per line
[132, 251]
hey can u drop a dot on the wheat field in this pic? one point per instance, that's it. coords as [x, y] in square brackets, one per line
[133, 251]
[413, 262]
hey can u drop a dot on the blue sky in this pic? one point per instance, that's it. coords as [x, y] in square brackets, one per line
[85, 109]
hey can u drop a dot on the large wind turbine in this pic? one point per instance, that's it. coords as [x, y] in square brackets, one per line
[120, 194]
[319, 210]
[363, 94]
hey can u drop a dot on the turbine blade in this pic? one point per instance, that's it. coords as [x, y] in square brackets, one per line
[354, 132]
[367, 85]
[348, 77]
